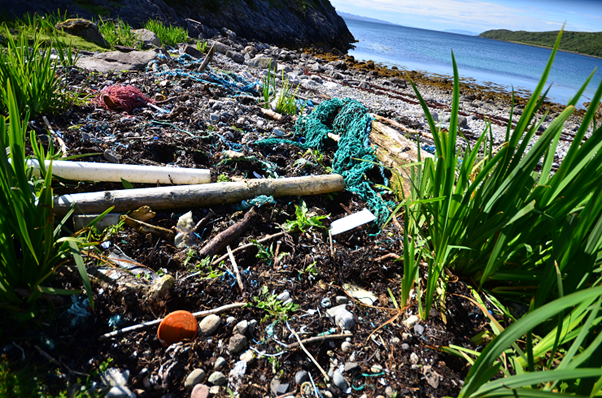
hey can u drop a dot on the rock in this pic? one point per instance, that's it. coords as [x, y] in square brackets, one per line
[405, 346]
[195, 377]
[200, 391]
[116, 61]
[263, 62]
[341, 300]
[340, 65]
[235, 56]
[400, 82]
[192, 51]
[376, 369]
[147, 38]
[301, 377]
[219, 47]
[339, 380]
[217, 379]
[230, 320]
[462, 122]
[431, 376]
[252, 325]
[346, 346]
[316, 79]
[317, 68]
[389, 392]
[251, 50]
[326, 303]
[395, 340]
[111, 156]
[241, 327]
[351, 368]
[285, 295]
[161, 288]
[418, 329]
[277, 387]
[220, 362]
[237, 343]
[407, 337]
[214, 390]
[247, 356]
[410, 321]
[120, 392]
[209, 324]
[414, 358]
[344, 319]
[115, 377]
[83, 28]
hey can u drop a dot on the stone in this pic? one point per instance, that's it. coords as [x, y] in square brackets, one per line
[241, 327]
[263, 62]
[230, 320]
[395, 340]
[217, 379]
[410, 321]
[344, 319]
[351, 367]
[339, 380]
[251, 50]
[418, 329]
[200, 391]
[389, 392]
[220, 362]
[400, 82]
[376, 369]
[120, 392]
[252, 325]
[407, 337]
[346, 346]
[405, 346]
[214, 390]
[83, 28]
[195, 377]
[341, 300]
[285, 295]
[277, 387]
[414, 358]
[340, 64]
[115, 377]
[147, 38]
[116, 61]
[192, 51]
[431, 376]
[209, 324]
[462, 122]
[235, 56]
[301, 377]
[111, 156]
[237, 343]
[247, 356]
[219, 47]
[161, 288]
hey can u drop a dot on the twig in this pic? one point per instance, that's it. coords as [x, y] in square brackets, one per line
[247, 246]
[144, 325]
[388, 256]
[318, 339]
[145, 228]
[236, 272]
[56, 136]
[326, 378]
[51, 359]
[201, 224]
[288, 394]
[223, 239]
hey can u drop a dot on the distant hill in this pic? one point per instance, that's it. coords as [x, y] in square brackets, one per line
[461, 32]
[360, 18]
[587, 43]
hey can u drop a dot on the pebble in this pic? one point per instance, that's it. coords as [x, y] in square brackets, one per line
[301, 377]
[237, 343]
[209, 324]
[285, 295]
[326, 393]
[351, 367]
[418, 329]
[395, 340]
[252, 325]
[230, 320]
[219, 363]
[405, 346]
[214, 117]
[414, 358]
[115, 377]
[241, 327]
[389, 392]
[410, 321]
[339, 380]
[376, 369]
[200, 391]
[214, 390]
[217, 379]
[344, 319]
[346, 346]
[195, 377]
[247, 356]
[326, 303]
[407, 337]
[120, 392]
[341, 300]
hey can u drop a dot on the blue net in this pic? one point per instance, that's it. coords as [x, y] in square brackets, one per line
[351, 121]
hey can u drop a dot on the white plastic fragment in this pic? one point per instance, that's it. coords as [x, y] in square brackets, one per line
[185, 237]
[353, 221]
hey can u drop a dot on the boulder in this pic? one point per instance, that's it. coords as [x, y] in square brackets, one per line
[235, 56]
[118, 61]
[83, 28]
[147, 38]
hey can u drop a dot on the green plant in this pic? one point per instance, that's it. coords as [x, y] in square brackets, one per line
[286, 99]
[536, 370]
[169, 35]
[117, 32]
[201, 45]
[302, 222]
[31, 249]
[223, 178]
[32, 75]
[267, 254]
[268, 86]
[502, 218]
[274, 307]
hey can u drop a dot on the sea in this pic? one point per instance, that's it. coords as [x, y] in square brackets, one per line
[500, 65]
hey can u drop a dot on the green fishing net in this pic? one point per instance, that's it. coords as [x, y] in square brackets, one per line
[351, 121]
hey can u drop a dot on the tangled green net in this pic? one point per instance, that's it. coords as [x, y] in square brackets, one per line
[351, 121]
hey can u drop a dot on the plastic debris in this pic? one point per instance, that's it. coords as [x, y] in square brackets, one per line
[185, 236]
[353, 221]
[79, 310]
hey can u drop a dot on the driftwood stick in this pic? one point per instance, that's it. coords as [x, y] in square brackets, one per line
[207, 59]
[226, 237]
[201, 224]
[156, 322]
[300, 343]
[311, 340]
[247, 246]
[236, 272]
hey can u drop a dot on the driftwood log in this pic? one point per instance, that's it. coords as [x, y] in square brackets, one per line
[174, 197]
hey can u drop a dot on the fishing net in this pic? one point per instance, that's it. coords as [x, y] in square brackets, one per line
[122, 98]
[354, 156]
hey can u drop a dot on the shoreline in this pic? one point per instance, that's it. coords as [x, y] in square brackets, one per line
[539, 46]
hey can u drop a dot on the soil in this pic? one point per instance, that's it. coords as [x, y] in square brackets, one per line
[312, 269]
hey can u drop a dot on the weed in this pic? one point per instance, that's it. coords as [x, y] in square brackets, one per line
[117, 32]
[223, 178]
[169, 35]
[202, 46]
[274, 307]
[302, 222]
[267, 254]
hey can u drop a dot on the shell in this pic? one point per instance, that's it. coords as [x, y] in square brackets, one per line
[177, 326]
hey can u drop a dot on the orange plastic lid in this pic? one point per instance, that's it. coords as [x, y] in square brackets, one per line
[177, 326]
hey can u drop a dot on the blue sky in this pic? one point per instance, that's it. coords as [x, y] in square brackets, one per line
[478, 16]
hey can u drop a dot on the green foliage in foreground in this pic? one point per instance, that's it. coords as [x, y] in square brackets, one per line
[588, 43]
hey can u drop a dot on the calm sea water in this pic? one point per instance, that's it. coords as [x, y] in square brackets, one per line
[504, 64]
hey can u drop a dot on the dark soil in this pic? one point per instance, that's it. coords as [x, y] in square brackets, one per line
[352, 258]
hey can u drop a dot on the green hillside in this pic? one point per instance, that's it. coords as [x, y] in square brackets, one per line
[588, 43]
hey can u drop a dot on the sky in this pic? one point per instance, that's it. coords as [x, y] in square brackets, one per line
[478, 16]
